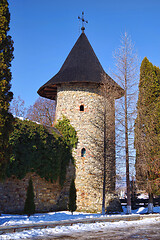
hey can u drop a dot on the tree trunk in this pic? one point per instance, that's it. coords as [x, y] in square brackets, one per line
[104, 162]
[127, 154]
[150, 203]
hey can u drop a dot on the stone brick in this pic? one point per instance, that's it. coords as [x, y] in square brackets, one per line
[88, 179]
[47, 194]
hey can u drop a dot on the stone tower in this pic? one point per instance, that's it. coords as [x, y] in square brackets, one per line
[85, 94]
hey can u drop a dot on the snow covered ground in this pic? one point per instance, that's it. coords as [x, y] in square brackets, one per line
[6, 220]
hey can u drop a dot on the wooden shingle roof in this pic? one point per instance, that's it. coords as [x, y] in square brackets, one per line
[81, 66]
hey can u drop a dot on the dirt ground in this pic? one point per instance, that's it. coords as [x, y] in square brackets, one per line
[145, 232]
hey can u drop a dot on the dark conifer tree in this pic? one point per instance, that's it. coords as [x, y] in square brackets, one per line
[72, 197]
[29, 207]
[6, 56]
[147, 130]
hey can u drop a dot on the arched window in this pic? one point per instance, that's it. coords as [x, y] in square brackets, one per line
[82, 108]
[83, 152]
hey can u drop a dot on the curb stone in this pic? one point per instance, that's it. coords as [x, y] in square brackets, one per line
[19, 228]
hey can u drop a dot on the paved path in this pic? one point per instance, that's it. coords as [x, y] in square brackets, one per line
[143, 232]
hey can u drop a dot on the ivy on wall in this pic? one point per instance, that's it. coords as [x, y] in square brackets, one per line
[35, 149]
[68, 132]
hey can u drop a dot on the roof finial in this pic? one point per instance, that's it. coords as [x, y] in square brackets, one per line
[83, 21]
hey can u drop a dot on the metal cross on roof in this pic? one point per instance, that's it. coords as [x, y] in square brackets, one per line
[83, 22]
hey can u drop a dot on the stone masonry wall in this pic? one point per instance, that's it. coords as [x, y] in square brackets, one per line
[48, 196]
[90, 130]
[88, 169]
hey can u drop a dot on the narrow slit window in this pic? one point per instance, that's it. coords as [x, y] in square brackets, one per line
[83, 152]
[82, 108]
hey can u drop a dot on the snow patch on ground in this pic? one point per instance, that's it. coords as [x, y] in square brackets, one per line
[6, 220]
[142, 210]
[29, 234]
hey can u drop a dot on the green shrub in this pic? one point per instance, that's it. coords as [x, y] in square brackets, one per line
[29, 207]
[72, 197]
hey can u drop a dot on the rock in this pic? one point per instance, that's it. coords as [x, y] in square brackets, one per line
[113, 205]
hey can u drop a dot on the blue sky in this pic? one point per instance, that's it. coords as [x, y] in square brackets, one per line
[45, 31]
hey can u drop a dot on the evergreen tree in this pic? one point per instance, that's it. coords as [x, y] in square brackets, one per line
[29, 207]
[147, 130]
[72, 197]
[6, 56]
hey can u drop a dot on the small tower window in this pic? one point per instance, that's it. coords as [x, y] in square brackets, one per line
[82, 108]
[83, 152]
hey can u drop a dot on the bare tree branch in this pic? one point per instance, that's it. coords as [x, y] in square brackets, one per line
[126, 74]
[42, 111]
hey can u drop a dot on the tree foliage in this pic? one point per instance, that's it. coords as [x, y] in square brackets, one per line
[147, 129]
[42, 111]
[29, 207]
[6, 56]
[72, 197]
[37, 149]
[68, 132]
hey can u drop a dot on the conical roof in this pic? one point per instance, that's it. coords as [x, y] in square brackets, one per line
[81, 66]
